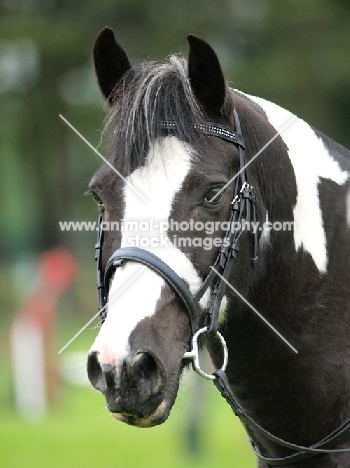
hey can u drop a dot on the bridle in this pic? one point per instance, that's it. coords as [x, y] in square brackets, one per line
[242, 209]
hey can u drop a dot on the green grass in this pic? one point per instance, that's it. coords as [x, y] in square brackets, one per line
[80, 433]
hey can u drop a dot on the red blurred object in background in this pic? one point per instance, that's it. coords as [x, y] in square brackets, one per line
[33, 335]
[57, 269]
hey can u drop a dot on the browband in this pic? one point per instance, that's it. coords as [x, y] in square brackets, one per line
[210, 129]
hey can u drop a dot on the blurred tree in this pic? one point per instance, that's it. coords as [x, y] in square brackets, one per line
[294, 53]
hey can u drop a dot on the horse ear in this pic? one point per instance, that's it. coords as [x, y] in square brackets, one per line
[205, 74]
[110, 62]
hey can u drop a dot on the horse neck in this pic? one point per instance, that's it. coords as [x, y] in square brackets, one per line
[301, 287]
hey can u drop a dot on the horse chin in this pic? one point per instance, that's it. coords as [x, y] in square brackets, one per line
[159, 416]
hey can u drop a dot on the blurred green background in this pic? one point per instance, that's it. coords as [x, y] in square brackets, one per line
[292, 52]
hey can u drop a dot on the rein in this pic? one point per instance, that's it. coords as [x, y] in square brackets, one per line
[242, 208]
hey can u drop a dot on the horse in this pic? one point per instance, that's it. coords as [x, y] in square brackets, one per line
[224, 222]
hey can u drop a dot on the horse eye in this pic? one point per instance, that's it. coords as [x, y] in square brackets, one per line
[214, 192]
[97, 199]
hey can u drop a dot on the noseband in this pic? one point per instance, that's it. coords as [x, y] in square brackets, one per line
[242, 208]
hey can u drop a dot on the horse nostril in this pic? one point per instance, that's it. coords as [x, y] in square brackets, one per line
[102, 376]
[146, 371]
[143, 365]
[94, 370]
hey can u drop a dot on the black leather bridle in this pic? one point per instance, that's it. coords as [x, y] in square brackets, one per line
[242, 208]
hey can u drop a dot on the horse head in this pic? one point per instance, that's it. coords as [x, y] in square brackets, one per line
[167, 191]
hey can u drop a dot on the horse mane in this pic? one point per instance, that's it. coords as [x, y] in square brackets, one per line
[147, 94]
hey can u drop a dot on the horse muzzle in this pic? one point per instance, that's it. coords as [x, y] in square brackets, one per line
[134, 390]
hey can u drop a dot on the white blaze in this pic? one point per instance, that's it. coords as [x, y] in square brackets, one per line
[311, 161]
[159, 181]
